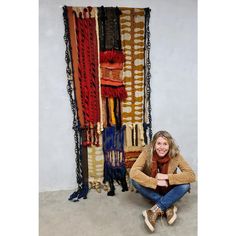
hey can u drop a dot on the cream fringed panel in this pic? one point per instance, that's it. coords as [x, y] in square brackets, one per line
[132, 24]
[95, 164]
[96, 168]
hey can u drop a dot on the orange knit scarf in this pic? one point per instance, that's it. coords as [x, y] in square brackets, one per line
[159, 165]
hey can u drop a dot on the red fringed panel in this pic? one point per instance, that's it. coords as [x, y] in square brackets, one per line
[111, 63]
[114, 91]
[88, 68]
[112, 56]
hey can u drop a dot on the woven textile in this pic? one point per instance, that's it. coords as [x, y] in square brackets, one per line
[88, 70]
[111, 66]
[73, 60]
[95, 163]
[83, 42]
[108, 71]
[111, 112]
[67, 14]
[109, 28]
[131, 157]
[90, 137]
[134, 143]
[134, 137]
[132, 38]
[133, 44]
[113, 147]
[96, 168]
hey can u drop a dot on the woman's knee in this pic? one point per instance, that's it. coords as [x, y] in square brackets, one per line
[135, 184]
[185, 187]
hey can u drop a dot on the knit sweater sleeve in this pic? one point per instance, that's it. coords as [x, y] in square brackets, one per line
[137, 174]
[186, 175]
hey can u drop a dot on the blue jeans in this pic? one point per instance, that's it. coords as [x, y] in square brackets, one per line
[166, 201]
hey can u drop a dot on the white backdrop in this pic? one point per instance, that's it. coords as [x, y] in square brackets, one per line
[173, 26]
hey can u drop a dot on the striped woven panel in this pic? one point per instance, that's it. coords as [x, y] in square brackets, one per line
[134, 143]
[132, 24]
[131, 157]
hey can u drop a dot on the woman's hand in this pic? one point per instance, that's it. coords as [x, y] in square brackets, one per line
[162, 183]
[161, 176]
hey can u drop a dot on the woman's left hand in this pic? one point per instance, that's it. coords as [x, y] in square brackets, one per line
[161, 176]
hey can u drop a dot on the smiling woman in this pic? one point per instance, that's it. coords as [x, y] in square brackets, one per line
[162, 146]
[154, 175]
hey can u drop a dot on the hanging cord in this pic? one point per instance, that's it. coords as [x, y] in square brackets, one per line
[70, 90]
[147, 87]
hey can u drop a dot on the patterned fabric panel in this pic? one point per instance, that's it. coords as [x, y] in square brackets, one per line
[134, 137]
[95, 163]
[96, 169]
[132, 38]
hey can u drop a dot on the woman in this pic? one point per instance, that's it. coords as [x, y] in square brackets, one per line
[154, 175]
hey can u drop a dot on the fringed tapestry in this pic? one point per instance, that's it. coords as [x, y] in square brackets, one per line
[108, 81]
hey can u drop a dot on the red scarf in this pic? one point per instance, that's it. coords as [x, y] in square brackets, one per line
[159, 165]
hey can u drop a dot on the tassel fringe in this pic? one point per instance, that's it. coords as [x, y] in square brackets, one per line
[75, 196]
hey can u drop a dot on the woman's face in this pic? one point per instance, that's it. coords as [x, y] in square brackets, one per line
[162, 146]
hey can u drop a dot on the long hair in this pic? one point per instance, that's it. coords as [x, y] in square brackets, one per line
[173, 148]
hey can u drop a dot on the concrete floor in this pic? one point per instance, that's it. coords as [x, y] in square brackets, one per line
[120, 215]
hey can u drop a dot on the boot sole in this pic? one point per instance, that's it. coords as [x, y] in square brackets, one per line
[172, 220]
[147, 221]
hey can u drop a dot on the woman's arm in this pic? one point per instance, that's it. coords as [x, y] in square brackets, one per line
[137, 174]
[187, 175]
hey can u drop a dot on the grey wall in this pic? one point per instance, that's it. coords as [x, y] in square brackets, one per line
[173, 27]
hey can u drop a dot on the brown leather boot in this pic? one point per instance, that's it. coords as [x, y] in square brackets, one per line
[171, 215]
[151, 217]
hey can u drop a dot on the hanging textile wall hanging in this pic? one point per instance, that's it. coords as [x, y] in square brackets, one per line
[108, 81]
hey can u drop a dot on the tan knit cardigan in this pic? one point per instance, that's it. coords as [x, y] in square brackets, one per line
[140, 172]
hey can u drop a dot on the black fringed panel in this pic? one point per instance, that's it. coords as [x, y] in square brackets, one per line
[147, 77]
[70, 90]
[109, 28]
